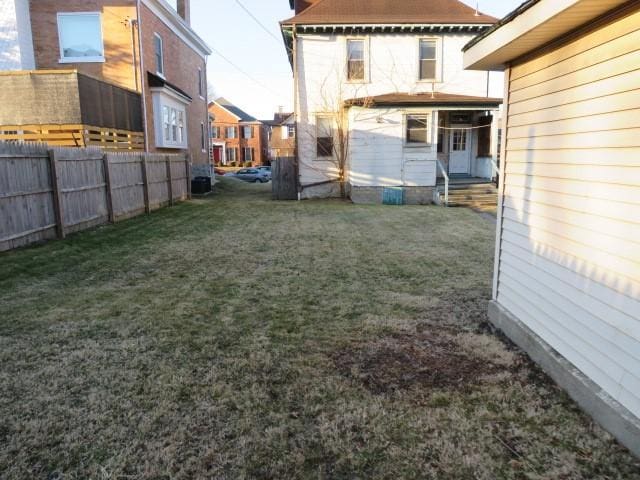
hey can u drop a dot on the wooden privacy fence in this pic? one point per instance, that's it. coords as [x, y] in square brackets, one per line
[284, 179]
[47, 193]
[75, 136]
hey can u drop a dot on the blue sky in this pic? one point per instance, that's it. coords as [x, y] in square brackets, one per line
[228, 29]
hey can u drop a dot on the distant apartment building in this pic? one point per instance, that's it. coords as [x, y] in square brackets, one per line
[281, 136]
[237, 138]
[120, 74]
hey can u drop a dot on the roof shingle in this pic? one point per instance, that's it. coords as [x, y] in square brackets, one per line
[384, 12]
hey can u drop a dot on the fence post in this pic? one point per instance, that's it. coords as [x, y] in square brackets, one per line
[145, 184]
[169, 180]
[109, 192]
[187, 161]
[57, 201]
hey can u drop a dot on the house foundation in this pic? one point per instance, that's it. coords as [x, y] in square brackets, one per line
[374, 195]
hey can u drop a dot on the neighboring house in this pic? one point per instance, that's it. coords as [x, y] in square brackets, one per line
[236, 137]
[281, 136]
[121, 74]
[382, 99]
[567, 276]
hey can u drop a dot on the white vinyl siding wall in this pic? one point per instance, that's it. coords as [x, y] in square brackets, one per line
[569, 265]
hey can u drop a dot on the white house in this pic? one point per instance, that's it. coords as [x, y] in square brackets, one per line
[16, 43]
[567, 276]
[382, 99]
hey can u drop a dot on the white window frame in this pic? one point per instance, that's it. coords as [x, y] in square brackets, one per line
[63, 59]
[438, 69]
[164, 101]
[201, 83]
[157, 36]
[365, 41]
[429, 129]
[291, 131]
[226, 132]
[229, 151]
[331, 118]
[244, 154]
[244, 131]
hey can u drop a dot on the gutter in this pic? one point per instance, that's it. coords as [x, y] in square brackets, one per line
[508, 19]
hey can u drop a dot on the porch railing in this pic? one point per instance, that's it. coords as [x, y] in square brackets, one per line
[446, 182]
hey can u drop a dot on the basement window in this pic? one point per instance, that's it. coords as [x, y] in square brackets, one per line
[80, 36]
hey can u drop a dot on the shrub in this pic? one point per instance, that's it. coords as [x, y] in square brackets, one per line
[233, 164]
[248, 164]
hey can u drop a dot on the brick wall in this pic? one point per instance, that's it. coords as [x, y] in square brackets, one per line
[181, 65]
[224, 119]
[116, 31]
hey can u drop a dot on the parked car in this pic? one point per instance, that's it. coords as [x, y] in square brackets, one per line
[252, 175]
[266, 169]
[219, 171]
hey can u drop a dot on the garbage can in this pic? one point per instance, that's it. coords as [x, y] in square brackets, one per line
[200, 185]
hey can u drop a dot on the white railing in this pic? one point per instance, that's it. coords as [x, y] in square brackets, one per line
[446, 182]
[495, 170]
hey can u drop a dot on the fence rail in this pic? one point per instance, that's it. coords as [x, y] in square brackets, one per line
[73, 135]
[47, 193]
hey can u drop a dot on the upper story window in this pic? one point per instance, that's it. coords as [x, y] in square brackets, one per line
[215, 132]
[231, 132]
[291, 131]
[200, 83]
[417, 130]
[159, 54]
[355, 60]
[80, 36]
[247, 131]
[428, 59]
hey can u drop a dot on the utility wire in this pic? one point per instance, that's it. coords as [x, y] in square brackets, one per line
[257, 82]
[255, 19]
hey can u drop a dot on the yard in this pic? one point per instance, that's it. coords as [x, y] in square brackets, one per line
[234, 337]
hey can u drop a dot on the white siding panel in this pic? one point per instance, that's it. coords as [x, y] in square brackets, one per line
[609, 86]
[569, 264]
[627, 100]
[621, 298]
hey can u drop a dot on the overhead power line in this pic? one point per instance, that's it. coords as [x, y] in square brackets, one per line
[262, 25]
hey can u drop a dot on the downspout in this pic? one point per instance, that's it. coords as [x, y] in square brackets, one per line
[295, 105]
[133, 23]
[145, 123]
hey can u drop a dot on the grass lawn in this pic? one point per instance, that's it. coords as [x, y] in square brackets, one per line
[234, 337]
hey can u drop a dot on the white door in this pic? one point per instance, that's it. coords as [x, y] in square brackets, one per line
[460, 150]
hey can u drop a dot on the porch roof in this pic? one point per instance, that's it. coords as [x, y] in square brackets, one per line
[436, 99]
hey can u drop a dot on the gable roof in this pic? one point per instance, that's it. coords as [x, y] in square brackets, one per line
[366, 12]
[230, 107]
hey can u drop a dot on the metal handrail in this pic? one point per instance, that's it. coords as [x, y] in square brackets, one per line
[446, 182]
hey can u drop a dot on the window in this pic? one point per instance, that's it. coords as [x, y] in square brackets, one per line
[291, 130]
[355, 60]
[247, 131]
[200, 83]
[232, 155]
[247, 153]
[459, 141]
[418, 129]
[428, 59]
[172, 129]
[215, 132]
[203, 137]
[80, 36]
[157, 46]
[231, 132]
[324, 137]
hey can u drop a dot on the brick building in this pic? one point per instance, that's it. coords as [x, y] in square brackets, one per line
[280, 134]
[237, 138]
[133, 48]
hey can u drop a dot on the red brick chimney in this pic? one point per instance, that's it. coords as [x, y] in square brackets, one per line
[184, 10]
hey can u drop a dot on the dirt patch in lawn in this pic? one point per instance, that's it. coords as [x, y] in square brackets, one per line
[402, 361]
